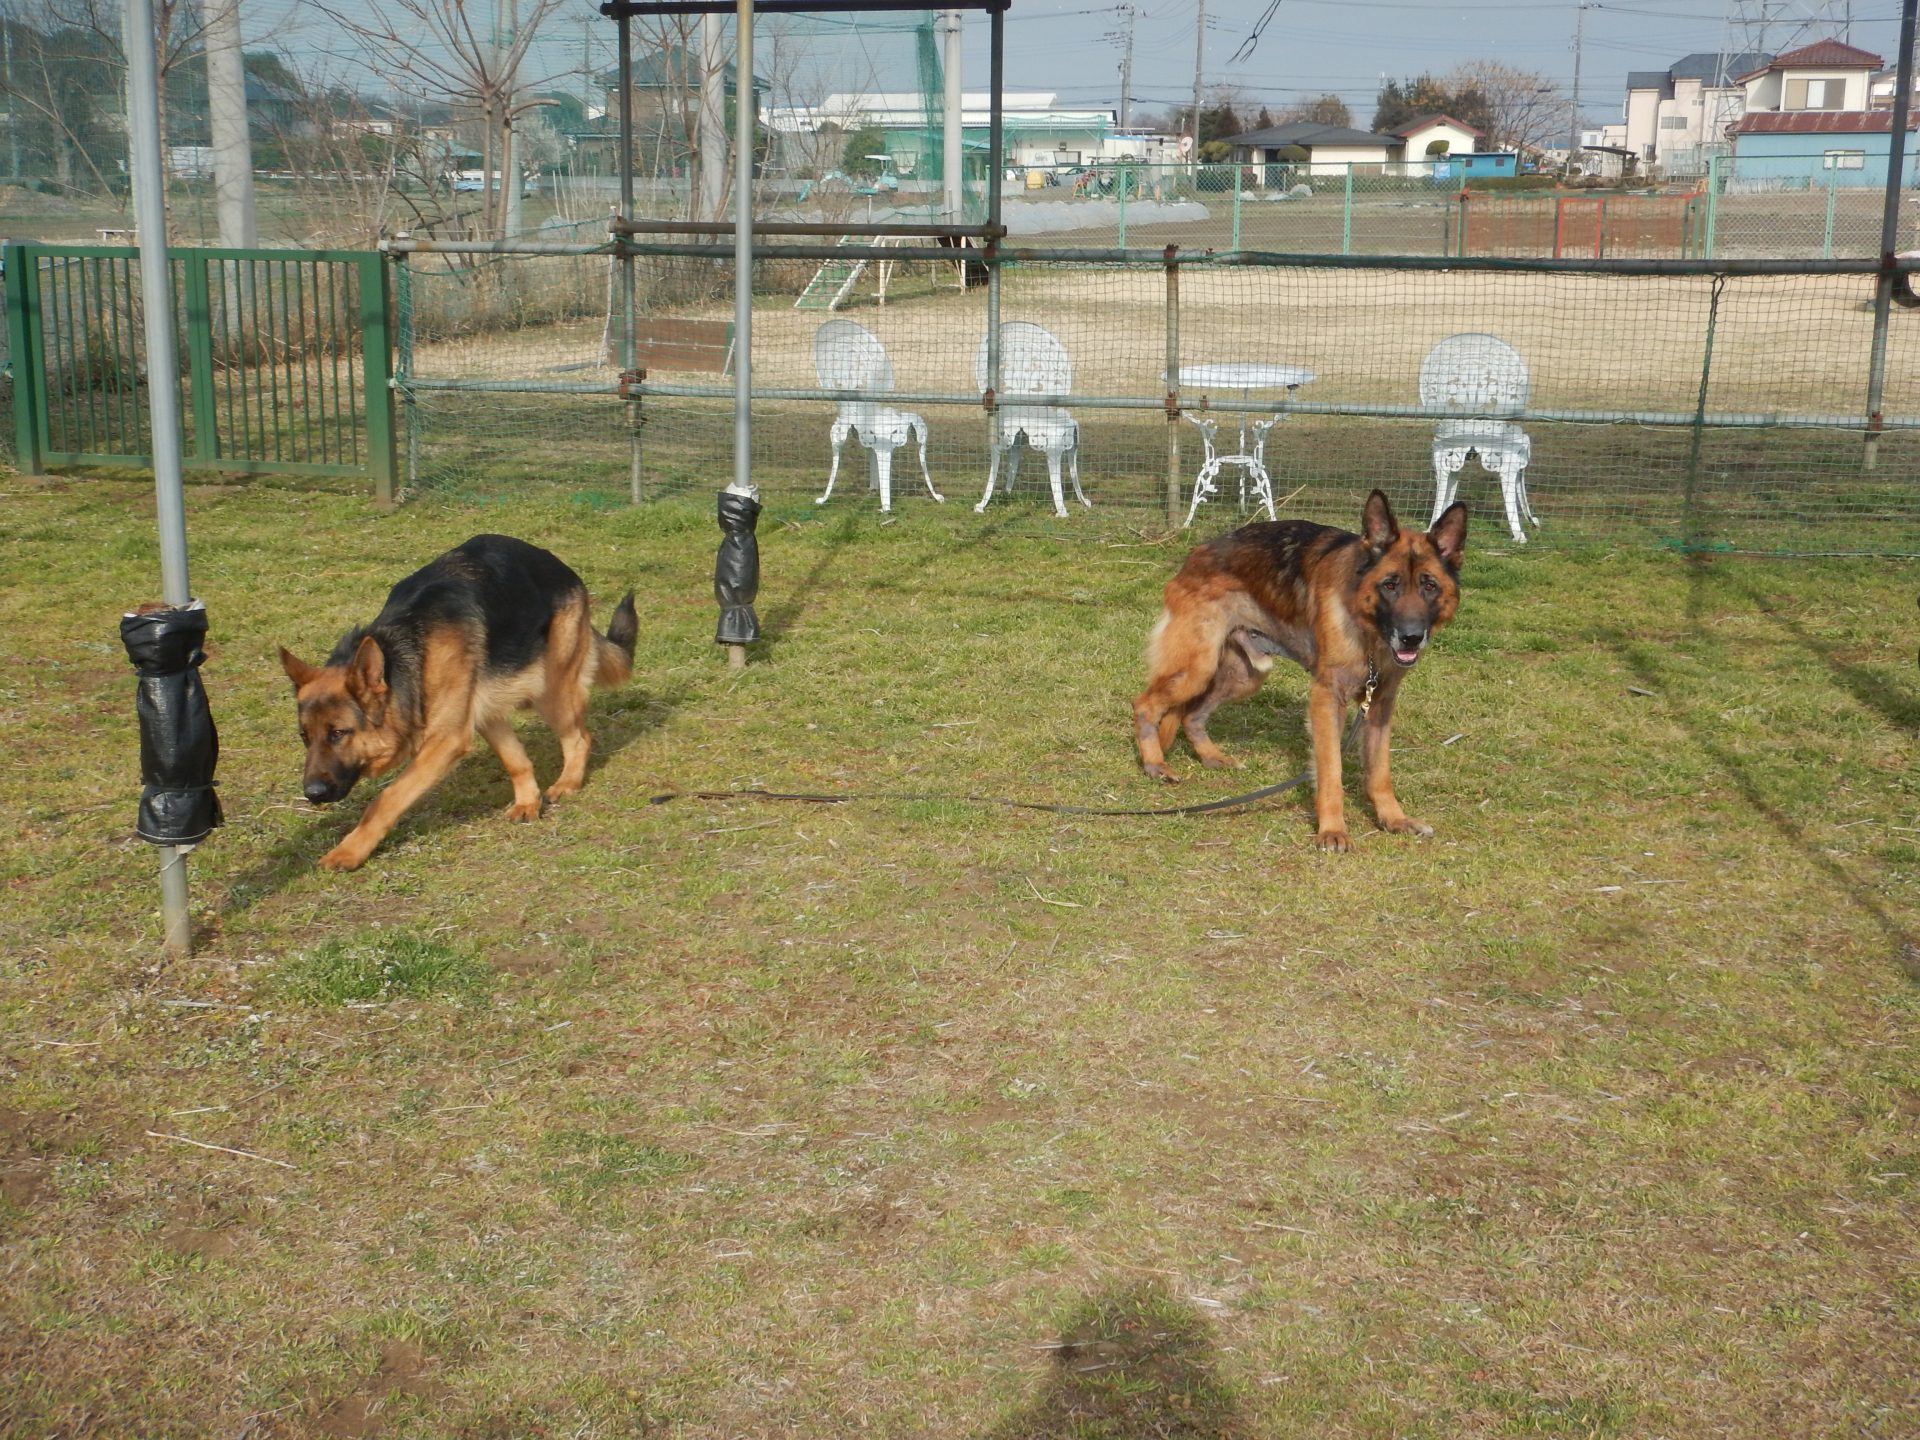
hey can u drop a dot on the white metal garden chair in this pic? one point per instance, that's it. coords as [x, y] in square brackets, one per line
[1479, 372]
[848, 356]
[1032, 362]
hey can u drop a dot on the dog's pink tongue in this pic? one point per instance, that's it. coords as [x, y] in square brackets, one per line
[1406, 657]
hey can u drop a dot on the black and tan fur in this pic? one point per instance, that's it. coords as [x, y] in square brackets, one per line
[1342, 605]
[492, 626]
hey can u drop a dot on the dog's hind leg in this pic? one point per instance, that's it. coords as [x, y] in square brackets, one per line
[498, 732]
[1183, 654]
[1240, 674]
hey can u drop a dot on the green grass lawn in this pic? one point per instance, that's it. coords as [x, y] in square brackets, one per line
[1593, 1116]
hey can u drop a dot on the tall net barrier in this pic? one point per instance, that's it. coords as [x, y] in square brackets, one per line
[1699, 410]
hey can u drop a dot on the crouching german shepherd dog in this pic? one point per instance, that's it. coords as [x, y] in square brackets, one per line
[1356, 612]
[491, 627]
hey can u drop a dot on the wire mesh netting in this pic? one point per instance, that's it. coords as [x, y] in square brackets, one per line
[1696, 409]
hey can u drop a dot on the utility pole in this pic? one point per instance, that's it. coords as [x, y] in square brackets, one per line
[1199, 54]
[952, 151]
[227, 117]
[711, 131]
[1579, 44]
[1126, 71]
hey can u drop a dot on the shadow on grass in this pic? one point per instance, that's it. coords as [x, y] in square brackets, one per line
[1871, 689]
[1898, 704]
[1129, 1365]
[478, 788]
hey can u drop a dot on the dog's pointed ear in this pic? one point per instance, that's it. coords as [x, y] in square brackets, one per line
[298, 671]
[1449, 535]
[1377, 525]
[367, 678]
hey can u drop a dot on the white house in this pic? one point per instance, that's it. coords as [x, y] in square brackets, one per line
[1677, 116]
[1330, 149]
[1827, 75]
[1432, 136]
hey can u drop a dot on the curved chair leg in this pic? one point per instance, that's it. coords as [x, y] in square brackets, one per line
[1526, 506]
[1511, 481]
[1014, 451]
[1073, 464]
[1053, 480]
[993, 473]
[1445, 466]
[925, 474]
[883, 472]
[839, 438]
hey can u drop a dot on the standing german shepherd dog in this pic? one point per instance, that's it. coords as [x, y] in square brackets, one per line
[1355, 611]
[491, 627]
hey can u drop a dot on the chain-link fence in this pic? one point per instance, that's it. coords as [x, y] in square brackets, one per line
[1665, 404]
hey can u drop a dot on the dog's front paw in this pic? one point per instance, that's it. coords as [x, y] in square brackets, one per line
[1406, 825]
[524, 810]
[562, 788]
[1158, 771]
[343, 857]
[1218, 761]
[1335, 841]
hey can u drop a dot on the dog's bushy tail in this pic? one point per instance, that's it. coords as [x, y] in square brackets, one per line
[613, 652]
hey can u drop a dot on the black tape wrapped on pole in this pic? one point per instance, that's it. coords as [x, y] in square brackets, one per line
[178, 745]
[736, 568]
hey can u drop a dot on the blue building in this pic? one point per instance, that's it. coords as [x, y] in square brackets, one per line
[1812, 150]
[1476, 165]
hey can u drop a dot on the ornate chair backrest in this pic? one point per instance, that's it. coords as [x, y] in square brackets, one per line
[1474, 371]
[848, 356]
[1032, 361]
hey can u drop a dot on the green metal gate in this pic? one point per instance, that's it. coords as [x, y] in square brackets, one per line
[286, 356]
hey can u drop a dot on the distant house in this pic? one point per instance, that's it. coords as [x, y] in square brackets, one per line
[1435, 135]
[1677, 117]
[1810, 121]
[1314, 148]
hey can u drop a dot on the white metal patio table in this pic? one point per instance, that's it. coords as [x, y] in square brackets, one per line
[1246, 376]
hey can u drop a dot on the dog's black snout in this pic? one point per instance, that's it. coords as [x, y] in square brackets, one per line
[318, 791]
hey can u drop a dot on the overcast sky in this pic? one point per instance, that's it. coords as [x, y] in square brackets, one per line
[1309, 47]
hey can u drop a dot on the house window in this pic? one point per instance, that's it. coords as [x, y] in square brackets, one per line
[1815, 94]
[1843, 160]
[1673, 122]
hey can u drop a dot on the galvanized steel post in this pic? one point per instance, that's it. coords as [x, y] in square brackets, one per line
[628, 318]
[1173, 386]
[745, 117]
[1889, 234]
[163, 395]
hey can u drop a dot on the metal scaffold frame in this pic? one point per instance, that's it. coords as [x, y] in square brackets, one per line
[743, 226]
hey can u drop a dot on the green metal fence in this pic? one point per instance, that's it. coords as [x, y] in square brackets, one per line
[286, 360]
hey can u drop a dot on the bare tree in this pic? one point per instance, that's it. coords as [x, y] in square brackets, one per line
[456, 53]
[1525, 110]
[57, 97]
[1326, 110]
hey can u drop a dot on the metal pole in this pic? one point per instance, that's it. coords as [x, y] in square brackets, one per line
[624, 63]
[163, 393]
[952, 153]
[1889, 233]
[1199, 54]
[1173, 387]
[743, 127]
[996, 158]
[1126, 72]
[1346, 215]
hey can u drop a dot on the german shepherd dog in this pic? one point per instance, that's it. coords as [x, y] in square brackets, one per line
[492, 626]
[1356, 612]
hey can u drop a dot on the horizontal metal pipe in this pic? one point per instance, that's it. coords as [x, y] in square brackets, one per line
[1244, 259]
[622, 226]
[1731, 419]
[613, 9]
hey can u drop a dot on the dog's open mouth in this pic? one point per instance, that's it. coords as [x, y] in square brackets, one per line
[1407, 654]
